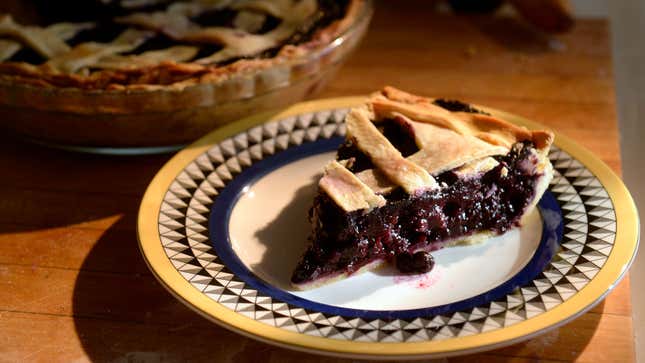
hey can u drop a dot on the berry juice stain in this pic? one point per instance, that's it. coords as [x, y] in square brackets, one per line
[419, 281]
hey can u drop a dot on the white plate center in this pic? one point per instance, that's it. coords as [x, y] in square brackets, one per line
[269, 230]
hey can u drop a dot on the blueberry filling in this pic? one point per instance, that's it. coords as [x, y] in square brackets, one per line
[407, 227]
[104, 32]
[457, 106]
[221, 17]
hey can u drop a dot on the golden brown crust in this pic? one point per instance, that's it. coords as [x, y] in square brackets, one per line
[176, 75]
[347, 190]
[446, 141]
[485, 127]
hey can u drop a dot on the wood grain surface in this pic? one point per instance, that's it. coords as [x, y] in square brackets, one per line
[74, 288]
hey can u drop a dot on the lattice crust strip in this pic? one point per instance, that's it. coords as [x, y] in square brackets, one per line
[48, 42]
[460, 141]
[174, 22]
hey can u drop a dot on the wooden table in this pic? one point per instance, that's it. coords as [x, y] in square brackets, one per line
[74, 288]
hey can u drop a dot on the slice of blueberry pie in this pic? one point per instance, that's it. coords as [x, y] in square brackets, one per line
[415, 175]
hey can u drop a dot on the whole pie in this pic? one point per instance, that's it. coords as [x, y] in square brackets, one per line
[415, 175]
[173, 65]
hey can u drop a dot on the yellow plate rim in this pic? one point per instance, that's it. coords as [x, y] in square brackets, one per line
[619, 260]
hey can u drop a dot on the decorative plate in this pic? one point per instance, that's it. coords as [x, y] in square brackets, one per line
[224, 222]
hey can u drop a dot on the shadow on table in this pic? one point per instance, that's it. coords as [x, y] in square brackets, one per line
[48, 188]
[127, 316]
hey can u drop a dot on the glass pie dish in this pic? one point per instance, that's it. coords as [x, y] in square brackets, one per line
[161, 118]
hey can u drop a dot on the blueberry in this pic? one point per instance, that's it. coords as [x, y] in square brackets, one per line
[414, 263]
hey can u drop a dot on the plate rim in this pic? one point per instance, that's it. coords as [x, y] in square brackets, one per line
[220, 240]
[618, 262]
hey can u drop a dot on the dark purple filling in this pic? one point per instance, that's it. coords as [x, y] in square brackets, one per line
[345, 242]
[457, 106]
